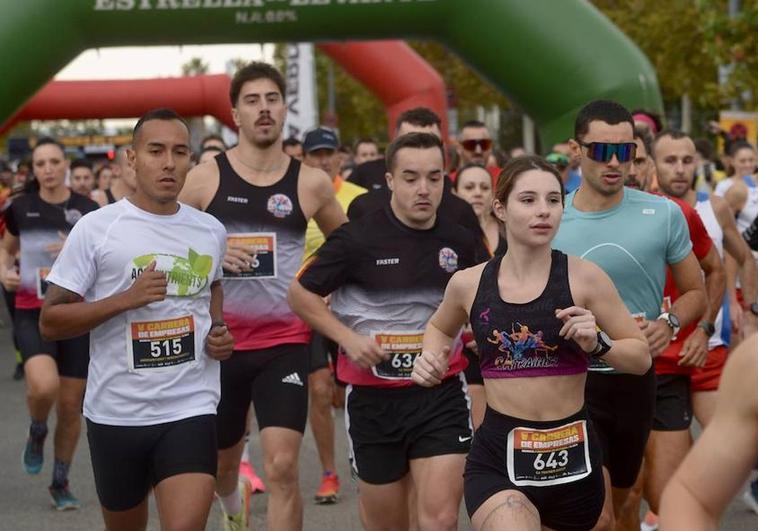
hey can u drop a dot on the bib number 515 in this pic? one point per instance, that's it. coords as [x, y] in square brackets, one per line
[167, 347]
[551, 462]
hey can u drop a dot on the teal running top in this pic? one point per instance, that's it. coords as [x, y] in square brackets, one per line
[632, 242]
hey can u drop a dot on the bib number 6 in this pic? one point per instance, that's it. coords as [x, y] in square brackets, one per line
[551, 462]
[166, 347]
[403, 361]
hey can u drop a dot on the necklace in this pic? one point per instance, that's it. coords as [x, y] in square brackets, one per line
[266, 170]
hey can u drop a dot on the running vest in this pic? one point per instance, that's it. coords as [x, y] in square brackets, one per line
[269, 219]
[38, 224]
[522, 340]
[705, 209]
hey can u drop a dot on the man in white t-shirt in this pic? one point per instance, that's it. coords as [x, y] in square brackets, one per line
[142, 275]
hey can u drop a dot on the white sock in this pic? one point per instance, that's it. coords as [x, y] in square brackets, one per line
[246, 452]
[232, 503]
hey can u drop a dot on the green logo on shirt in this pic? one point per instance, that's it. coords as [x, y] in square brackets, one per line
[186, 276]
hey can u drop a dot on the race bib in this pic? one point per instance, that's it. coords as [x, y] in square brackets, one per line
[160, 344]
[548, 457]
[41, 276]
[264, 259]
[404, 348]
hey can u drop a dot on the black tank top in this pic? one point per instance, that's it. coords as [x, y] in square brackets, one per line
[109, 195]
[522, 340]
[270, 219]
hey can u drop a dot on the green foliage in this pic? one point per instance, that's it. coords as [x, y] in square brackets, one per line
[195, 67]
[688, 40]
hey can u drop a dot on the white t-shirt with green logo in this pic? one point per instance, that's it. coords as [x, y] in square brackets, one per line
[147, 366]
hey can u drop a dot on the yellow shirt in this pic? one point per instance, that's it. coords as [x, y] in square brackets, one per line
[346, 192]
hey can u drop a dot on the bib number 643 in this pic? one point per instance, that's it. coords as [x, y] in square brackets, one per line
[551, 462]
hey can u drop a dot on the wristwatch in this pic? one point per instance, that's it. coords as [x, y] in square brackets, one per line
[708, 327]
[604, 344]
[754, 308]
[671, 320]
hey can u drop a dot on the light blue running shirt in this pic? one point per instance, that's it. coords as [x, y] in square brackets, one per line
[632, 242]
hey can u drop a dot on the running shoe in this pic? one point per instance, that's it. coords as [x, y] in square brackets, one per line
[33, 456]
[256, 483]
[239, 521]
[650, 523]
[18, 373]
[750, 497]
[63, 500]
[328, 490]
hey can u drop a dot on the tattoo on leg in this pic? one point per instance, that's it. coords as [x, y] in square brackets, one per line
[513, 503]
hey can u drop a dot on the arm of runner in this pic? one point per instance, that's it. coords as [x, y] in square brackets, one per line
[629, 351]
[694, 351]
[328, 212]
[690, 306]
[66, 315]
[443, 326]
[9, 276]
[720, 461]
[201, 185]
[220, 343]
[362, 350]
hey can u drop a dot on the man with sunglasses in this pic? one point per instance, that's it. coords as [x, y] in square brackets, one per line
[475, 147]
[633, 236]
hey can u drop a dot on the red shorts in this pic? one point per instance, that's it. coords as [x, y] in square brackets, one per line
[707, 378]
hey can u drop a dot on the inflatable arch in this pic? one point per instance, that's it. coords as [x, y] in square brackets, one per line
[379, 65]
[549, 57]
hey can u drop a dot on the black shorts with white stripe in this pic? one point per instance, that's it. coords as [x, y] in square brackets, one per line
[389, 427]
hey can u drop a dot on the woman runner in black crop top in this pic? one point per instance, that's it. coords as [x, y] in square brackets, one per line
[535, 314]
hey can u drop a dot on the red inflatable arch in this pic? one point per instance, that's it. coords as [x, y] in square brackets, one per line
[382, 66]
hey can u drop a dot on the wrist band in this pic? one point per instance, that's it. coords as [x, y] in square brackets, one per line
[214, 324]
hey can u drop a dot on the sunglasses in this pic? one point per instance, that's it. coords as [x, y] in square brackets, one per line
[604, 151]
[470, 145]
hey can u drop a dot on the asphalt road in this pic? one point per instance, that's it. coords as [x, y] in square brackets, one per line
[25, 505]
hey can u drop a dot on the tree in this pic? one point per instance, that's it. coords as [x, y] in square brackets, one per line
[195, 67]
[687, 41]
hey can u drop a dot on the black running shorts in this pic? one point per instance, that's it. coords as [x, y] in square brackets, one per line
[388, 427]
[275, 379]
[70, 355]
[673, 403]
[621, 407]
[567, 489]
[128, 460]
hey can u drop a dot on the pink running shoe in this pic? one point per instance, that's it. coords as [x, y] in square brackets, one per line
[248, 472]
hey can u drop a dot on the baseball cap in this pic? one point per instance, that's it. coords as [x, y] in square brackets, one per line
[320, 138]
[558, 159]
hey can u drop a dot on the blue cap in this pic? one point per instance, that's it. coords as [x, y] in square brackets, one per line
[320, 138]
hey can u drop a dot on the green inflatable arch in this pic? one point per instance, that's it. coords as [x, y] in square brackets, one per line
[548, 56]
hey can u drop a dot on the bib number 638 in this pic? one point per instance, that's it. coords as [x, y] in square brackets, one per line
[551, 462]
[403, 361]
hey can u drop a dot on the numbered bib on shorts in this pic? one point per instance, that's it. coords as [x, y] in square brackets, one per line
[41, 276]
[404, 347]
[548, 457]
[264, 260]
[160, 344]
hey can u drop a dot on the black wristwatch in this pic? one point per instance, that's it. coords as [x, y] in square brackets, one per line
[708, 327]
[604, 344]
[754, 308]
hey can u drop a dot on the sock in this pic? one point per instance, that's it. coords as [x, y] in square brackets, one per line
[328, 473]
[38, 429]
[60, 474]
[246, 452]
[231, 503]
